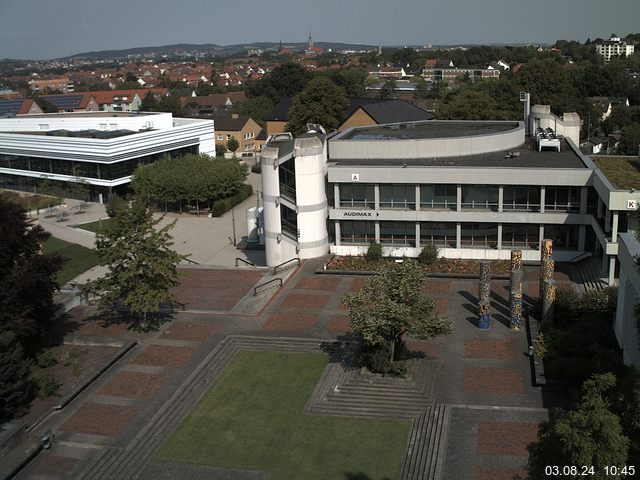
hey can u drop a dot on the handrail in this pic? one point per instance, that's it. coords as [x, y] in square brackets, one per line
[244, 261]
[580, 257]
[191, 261]
[255, 289]
[296, 259]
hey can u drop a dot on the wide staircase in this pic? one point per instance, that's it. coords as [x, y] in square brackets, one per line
[585, 274]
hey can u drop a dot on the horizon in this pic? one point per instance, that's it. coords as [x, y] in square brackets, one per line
[33, 31]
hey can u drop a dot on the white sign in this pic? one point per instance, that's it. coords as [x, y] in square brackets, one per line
[632, 204]
[355, 177]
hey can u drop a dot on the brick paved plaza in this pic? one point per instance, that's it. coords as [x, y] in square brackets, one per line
[483, 378]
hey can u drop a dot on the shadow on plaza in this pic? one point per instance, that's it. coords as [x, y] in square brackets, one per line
[360, 476]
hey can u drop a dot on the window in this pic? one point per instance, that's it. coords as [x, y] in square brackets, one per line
[562, 199]
[438, 196]
[480, 197]
[402, 234]
[398, 196]
[565, 237]
[219, 137]
[289, 222]
[521, 198]
[520, 236]
[440, 234]
[353, 232]
[43, 126]
[228, 137]
[357, 195]
[483, 235]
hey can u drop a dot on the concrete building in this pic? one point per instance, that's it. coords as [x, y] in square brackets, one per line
[614, 48]
[449, 74]
[476, 189]
[626, 323]
[103, 149]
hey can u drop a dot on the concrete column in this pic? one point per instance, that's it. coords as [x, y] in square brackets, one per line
[417, 197]
[614, 227]
[607, 221]
[417, 234]
[500, 198]
[337, 226]
[599, 212]
[583, 200]
[376, 197]
[377, 231]
[612, 270]
[605, 264]
[541, 230]
[542, 200]
[336, 195]
[459, 198]
[458, 235]
[582, 234]
[499, 236]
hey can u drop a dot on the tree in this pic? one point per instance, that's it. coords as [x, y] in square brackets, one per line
[232, 144]
[149, 103]
[388, 88]
[16, 387]
[322, 101]
[27, 278]
[589, 435]
[142, 266]
[257, 108]
[352, 79]
[630, 142]
[392, 304]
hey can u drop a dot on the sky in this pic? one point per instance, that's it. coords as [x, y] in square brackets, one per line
[44, 29]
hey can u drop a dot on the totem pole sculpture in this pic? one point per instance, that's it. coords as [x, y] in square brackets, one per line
[546, 264]
[515, 290]
[548, 301]
[484, 302]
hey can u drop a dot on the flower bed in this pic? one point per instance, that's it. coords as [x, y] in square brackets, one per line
[444, 265]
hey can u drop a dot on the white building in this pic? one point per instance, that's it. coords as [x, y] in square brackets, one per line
[476, 189]
[103, 149]
[626, 324]
[614, 48]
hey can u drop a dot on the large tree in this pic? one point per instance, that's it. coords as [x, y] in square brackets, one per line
[16, 387]
[322, 101]
[27, 276]
[391, 304]
[142, 267]
[590, 434]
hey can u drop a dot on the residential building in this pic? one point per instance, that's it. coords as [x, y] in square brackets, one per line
[614, 47]
[125, 100]
[210, 104]
[18, 106]
[103, 149]
[449, 74]
[241, 127]
[607, 104]
[626, 325]
[73, 102]
[476, 189]
[62, 84]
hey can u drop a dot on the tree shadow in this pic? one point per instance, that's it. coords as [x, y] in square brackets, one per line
[344, 350]
[360, 476]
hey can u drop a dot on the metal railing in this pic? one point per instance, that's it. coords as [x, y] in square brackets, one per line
[269, 282]
[296, 259]
[248, 262]
[191, 261]
[288, 192]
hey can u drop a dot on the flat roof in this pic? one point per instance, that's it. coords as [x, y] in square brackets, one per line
[427, 129]
[622, 172]
[88, 114]
[525, 157]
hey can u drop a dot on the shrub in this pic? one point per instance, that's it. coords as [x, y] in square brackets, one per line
[566, 305]
[46, 359]
[16, 387]
[256, 167]
[222, 205]
[374, 252]
[47, 385]
[428, 255]
[602, 302]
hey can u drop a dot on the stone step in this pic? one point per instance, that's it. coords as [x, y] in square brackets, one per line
[378, 395]
[427, 442]
[363, 411]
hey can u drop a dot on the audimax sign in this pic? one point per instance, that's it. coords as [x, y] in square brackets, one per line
[360, 214]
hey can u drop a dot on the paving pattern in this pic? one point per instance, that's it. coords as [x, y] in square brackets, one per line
[474, 411]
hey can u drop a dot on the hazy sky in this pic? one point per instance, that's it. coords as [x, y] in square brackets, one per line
[55, 28]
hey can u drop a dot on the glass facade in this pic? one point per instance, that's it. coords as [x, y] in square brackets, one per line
[101, 171]
[357, 233]
[480, 197]
[287, 178]
[400, 234]
[523, 198]
[479, 235]
[441, 234]
[357, 195]
[398, 196]
[438, 196]
[562, 199]
[289, 222]
[565, 237]
[517, 235]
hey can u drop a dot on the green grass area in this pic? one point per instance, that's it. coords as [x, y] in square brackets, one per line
[96, 226]
[77, 259]
[253, 419]
[622, 172]
[29, 201]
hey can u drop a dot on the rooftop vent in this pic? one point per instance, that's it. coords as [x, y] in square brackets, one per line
[547, 138]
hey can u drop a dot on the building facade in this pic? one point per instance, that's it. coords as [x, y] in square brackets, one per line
[626, 323]
[101, 150]
[477, 190]
[614, 47]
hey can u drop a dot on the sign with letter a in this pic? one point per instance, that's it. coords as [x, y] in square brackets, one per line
[355, 177]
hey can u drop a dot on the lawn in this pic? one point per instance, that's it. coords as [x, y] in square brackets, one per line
[77, 259]
[29, 201]
[94, 227]
[253, 419]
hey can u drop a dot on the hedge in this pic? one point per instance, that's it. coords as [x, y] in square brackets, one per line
[219, 207]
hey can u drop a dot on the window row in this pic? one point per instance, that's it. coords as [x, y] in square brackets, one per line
[483, 235]
[474, 197]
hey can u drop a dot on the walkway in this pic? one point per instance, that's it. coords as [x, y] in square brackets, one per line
[483, 409]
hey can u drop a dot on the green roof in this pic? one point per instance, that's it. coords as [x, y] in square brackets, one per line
[622, 172]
